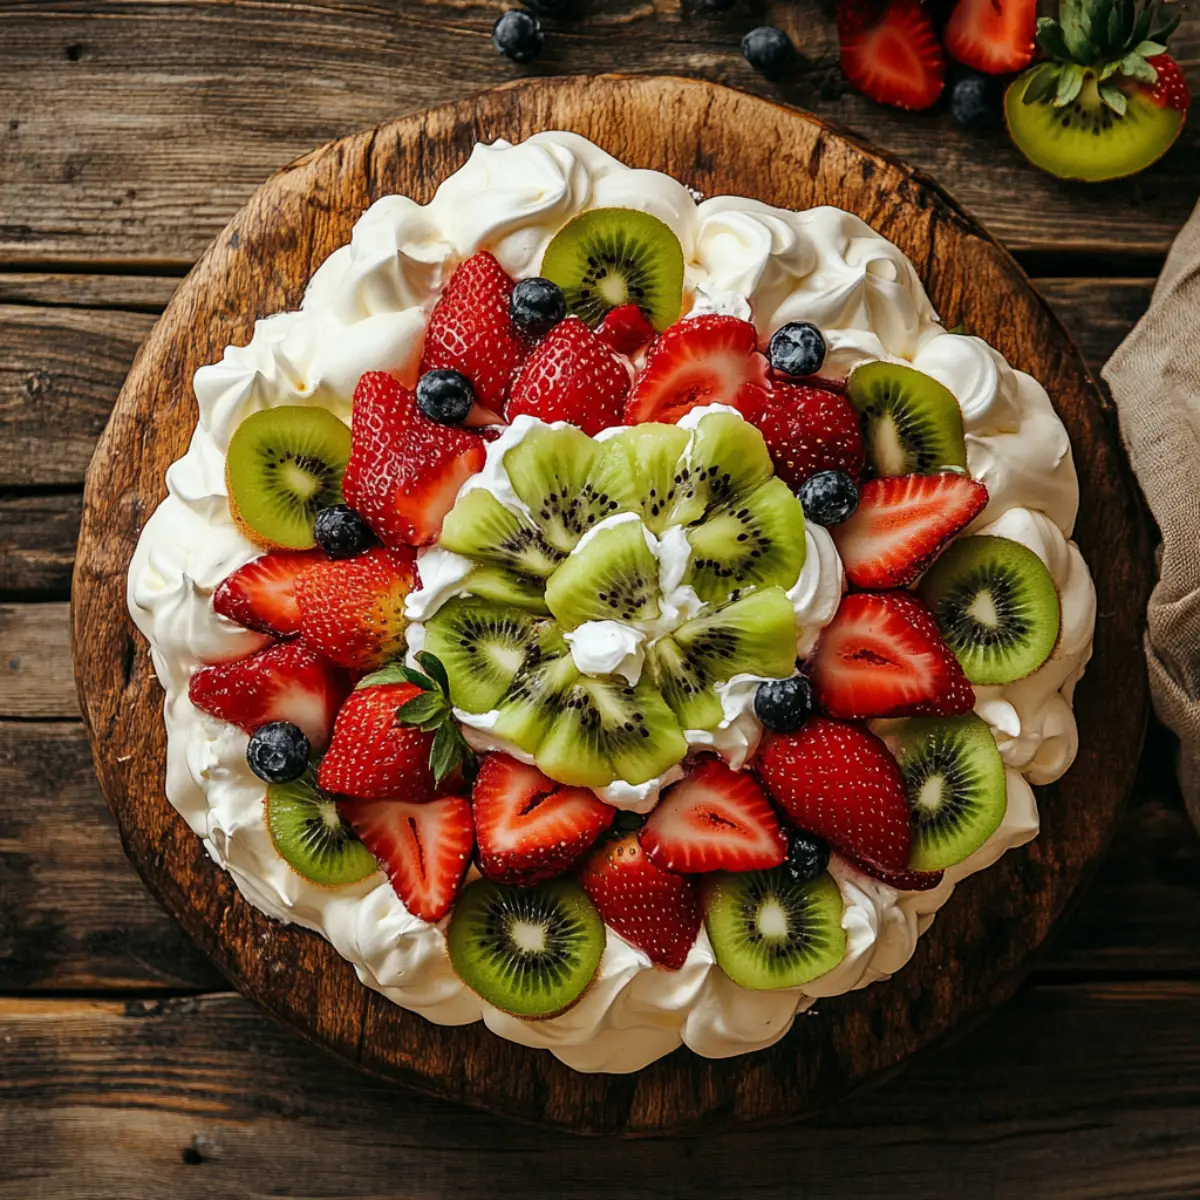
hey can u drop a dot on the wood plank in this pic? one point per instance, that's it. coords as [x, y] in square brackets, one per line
[1069, 1092]
[134, 131]
[142, 293]
[77, 918]
[60, 370]
[36, 676]
[37, 551]
[1098, 313]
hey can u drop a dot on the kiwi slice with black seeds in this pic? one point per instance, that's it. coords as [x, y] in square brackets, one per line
[482, 646]
[912, 424]
[754, 635]
[685, 685]
[768, 931]
[530, 952]
[957, 793]
[996, 605]
[312, 836]
[528, 708]
[481, 528]
[608, 257]
[727, 458]
[755, 540]
[613, 577]
[553, 472]
[283, 466]
[491, 582]
[643, 462]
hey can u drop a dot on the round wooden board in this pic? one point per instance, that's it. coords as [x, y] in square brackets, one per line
[717, 141]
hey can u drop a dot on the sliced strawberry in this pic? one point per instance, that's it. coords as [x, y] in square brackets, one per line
[651, 908]
[531, 828]
[404, 470]
[352, 609]
[890, 51]
[1170, 89]
[259, 595]
[423, 848]
[372, 755]
[883, 656]
[993, 36]
[902, 524]
[284, 682]
[625, 329]
[840, 782]
[810, 429]
[571, 376]
[715, 819]
[704, 360]
[902, 881]
[470, 330]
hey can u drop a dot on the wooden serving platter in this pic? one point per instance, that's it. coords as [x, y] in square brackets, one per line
[716, 140]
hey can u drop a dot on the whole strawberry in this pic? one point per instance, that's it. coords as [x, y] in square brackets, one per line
[470, 330]
[571, 376]
[651, 908]
[808, 430]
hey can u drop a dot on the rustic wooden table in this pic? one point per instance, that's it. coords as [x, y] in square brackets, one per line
[129, 132]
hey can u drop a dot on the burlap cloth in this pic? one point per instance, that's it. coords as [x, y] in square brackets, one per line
[1155, 381]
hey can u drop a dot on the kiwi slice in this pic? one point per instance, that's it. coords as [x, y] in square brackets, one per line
[613, 256]
[313, 837]
[508, 587]
[481, 528]
[726, 459]
[755, 635]
[753, 541]
[284, 465]
[552, 470]
[608, 729]
[996, 605]
[528, 709]
[611, 577]
[957, 793]
[685, 685]
[1086, 139]
[912, 425]
[644, 460]
[482, 646]
[769, 932]
[529, 951]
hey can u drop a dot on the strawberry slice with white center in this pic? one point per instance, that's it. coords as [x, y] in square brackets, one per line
[423, 848]
[654, 909]
[890, 51]
[529, 827]
[284, 682]
[993, 36]
[902, 524]
[715, 819]
[841, 782]
[710, 359]
[882, 655]
[260, 596]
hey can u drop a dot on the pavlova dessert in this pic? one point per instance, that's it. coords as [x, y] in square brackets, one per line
[618, 618]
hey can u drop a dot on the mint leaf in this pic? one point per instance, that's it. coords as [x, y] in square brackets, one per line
[394, 672]
[427, 711]
[1114, 98]
[448, 750]
[433, 666]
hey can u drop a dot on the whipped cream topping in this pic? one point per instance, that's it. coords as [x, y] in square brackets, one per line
[365, 309]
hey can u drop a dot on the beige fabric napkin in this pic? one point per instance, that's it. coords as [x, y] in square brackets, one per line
[1155, 380]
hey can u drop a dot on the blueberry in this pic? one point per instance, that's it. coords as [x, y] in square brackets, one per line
[445, 396]
[517, 34]
[341, 532]
[783, 705]
[828, 497]
[807, 856]
[537, 305]
[976, 101]
[627, 821]
[797, 348]
[767, 49]
[278, 752]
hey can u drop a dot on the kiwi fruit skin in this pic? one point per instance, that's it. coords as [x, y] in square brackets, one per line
[481, 528]
[612, 256]
[1019, 590]
[726, 459]
[957, 791]
[312, 837]
[519, 980]
[912, 424]
[482, 646]
[769, 932]
[1086, 140]
[274, 456]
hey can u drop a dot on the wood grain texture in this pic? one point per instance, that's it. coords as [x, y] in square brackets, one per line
[35, 661]
[717, 141]
[37, 552]
[202, 1099]
[134, 129]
